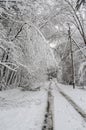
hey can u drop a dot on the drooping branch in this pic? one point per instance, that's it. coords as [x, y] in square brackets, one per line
[3, 48]
[78, 22]
[79, 3]
[19, 31]
[78, 47]
[5, 65]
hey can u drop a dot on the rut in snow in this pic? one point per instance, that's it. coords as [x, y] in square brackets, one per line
[48, 119]
[75, 106]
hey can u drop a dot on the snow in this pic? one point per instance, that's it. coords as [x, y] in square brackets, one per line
[82, 72]
[25, 110]
[65, 116]
[77, 95]
[22, 110]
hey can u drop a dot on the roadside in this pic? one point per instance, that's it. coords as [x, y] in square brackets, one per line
[22, 110]
[64, 114]
[77, 95]
[44, 109]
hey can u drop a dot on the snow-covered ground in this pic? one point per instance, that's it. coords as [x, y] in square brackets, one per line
[25, 110]
[22, 110]
[77, 95]
[65, 116]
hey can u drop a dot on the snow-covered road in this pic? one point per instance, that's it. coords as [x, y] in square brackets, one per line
[77, 95]
[64, 114]
[26, 110]
[22, 110]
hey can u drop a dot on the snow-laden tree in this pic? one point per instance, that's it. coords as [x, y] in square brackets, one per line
[30, 53]
[26, 25]
[33, 52]
[69, 15]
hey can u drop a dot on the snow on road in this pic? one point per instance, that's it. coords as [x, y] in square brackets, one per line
[25, 110]
[77, 95]
[65, 116]
[22, 110]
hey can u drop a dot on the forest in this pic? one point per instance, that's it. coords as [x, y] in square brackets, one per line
[43, 45]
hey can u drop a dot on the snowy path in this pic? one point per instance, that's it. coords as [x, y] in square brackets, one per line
[73, 103]
[48, 121]
[26, 110]
[77, 95]
[21, 110]
[65, 116]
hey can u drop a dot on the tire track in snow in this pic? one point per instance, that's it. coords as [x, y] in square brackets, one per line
[48, 119]
[75, 106]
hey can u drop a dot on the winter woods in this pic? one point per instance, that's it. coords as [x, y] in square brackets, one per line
[25, 53]
[28, 29]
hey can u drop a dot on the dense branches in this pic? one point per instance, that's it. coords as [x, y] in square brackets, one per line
[79, 3]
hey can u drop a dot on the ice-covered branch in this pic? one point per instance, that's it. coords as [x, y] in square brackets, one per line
[5, 65]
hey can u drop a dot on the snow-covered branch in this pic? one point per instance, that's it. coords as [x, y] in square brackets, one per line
[5, 65]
